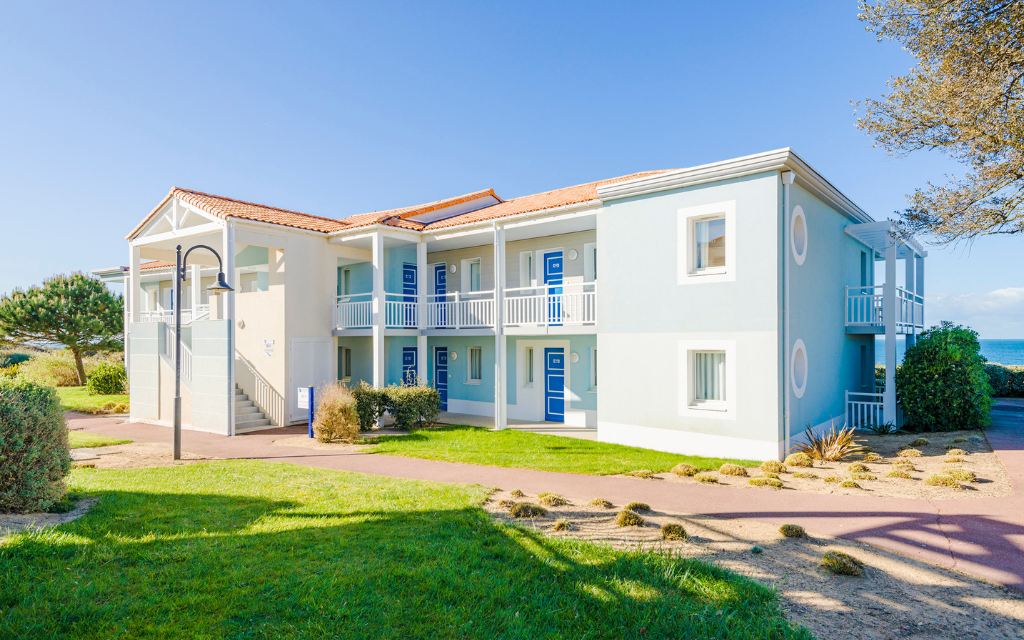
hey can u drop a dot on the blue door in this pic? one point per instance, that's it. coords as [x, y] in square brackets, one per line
[440, 289]
[409, 369]
[553, 276]
[409, 293]
[441, 374]
[554, 385]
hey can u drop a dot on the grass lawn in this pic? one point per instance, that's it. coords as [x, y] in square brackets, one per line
[78, 399]
[81, 440]
[524, 450]
[250, 549]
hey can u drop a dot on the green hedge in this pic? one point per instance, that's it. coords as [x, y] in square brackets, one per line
[411, 405]
[107, 379]
[1007, 380]
[942, 384]
[34, 453]
[371, 405]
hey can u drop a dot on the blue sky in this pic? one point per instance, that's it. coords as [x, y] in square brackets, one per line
[336, 108]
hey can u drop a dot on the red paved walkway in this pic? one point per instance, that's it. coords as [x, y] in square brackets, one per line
[980, 536]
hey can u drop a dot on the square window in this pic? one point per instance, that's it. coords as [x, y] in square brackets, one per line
[476, 369]
[708, 377]
[709, 244]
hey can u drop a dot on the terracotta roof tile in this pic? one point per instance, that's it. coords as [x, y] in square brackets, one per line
[153, 264]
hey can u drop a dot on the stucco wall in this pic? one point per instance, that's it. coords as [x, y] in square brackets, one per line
[144, 393]
[210, 376]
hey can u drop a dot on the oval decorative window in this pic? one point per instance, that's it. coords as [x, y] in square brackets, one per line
[798, 235]
[798, 368]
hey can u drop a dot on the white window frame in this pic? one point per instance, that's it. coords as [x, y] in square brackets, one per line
[167, 299]
[346, 371]
[526, 277]
[590, 262]
[688, 405]
[469, 365]
[686, 243]
[593, 369]
[466, 280]
[346, 274]
[528, 361]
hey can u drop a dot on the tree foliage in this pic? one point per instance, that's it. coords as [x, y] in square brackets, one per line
[964, 98]
[76, 311]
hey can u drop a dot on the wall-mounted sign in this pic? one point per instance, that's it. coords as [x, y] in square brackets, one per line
[268, 348]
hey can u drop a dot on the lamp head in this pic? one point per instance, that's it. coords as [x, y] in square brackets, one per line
[220, 286]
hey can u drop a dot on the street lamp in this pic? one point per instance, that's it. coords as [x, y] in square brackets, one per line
[216, 288]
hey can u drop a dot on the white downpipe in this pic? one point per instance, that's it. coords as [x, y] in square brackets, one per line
[229, 314]
[378, 310]
[889, 317]
[787, 180]
[500, 342]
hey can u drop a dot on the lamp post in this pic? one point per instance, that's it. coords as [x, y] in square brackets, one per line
[216, 288]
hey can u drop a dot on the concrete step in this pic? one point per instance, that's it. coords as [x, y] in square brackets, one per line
[250, 417]
[246, 409]
[249, 422]
[253, 426]
[244, 403]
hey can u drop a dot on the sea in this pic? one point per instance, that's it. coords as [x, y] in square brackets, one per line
[1001, 351]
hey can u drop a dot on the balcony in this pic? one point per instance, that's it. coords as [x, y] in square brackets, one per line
[865, 310]
[187, 316]
[526, 308]
[864, 409]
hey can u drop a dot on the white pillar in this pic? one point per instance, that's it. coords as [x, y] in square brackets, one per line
[228, 259]
[911, 282]
[889, 317]
[379, 374]
[422, 363]
[133, 285]
[500, 341]
[919, 285]
[196, 282]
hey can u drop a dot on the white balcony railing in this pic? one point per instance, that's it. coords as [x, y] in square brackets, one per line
[863, 409]
[400, 311]
[354, 312]
[457, 310]
[865, 307]
[166, 315]
[547, 305]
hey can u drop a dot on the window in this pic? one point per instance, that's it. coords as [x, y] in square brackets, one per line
[707, 379]
[476, 368]
[706, 243]
[345, 363]
[526, 269]
[590, 262]
[593, 369]
[709, 244]
[474, 275]
[345, 282]
[709, 376]
[529, 366]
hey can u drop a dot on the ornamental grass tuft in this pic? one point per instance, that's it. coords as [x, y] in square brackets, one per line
[601, 502]
[896, 473]
[673, 531]
[561, 525]
[872, 457]
[842, 564]
[942, 480]
[516, 493]
[761, 481]
[792, 531]
[863, 476]
[956, 452]
[627, 518]
[507, 504]
[808, 476]
[953, 459]
[959, 439]
[906, 466]
[683, 469]
[832, 478]
[637, 506]
[773, 466]
[527, 510]
[919, 442]
[549, 499]
[646, 474]
[909, 453]
[768, 474]
[857, 467]
[832, 446]
[706, 478]
[799, 460]
[962, 475]
[732, 470]
[849, 484]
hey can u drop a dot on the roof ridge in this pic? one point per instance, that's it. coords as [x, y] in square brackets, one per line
[592, 182]
[252, 204]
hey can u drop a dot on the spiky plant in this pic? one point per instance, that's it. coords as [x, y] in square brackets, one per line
[831, 446]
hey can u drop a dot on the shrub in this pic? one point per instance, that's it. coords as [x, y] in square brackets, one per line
[627, 518]
[834, 445]
[413, 405]
[956, 452]
[13, 360]
[601, 502]
[647, 474]
[872, 457]
[809, 476]
[1006, 381]
[54, 368]
[527, 510]
[10, 371]
[107, 379]
[371, 405]
[561, 525]
[842, 564]
[121, 408]
[706, 478]
[942, 480]
[728, 469]
[637, 506]
[673, 531]
[864, 476]
[849, 484]
[962, 475]
[896, 473]
[773, 466]
[516, 493]
[335, 417]
[34, 453]
[762, 481]
[551, 500]
[909, 453]
[792, 531]
[683, 469]
[832, 479]
[799, 460]
[881, 428]
[952, 459]
[857, 467]
[942, 384]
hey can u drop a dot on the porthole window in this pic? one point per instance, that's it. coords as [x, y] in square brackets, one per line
[798, 235]
[798, 369]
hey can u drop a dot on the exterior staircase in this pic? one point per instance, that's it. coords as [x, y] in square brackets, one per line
[248, 416]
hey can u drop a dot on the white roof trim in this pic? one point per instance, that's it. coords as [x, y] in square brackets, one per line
[777, 160]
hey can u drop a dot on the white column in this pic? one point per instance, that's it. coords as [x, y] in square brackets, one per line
[889, 317]
[422, 362]
[228, 258]
[197, 288]
[919, 285]
[133, 284]
[911, 282]
[379, 374]
[500, 341]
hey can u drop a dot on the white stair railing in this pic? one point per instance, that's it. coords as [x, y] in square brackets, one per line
[864, 409]
[269, 401]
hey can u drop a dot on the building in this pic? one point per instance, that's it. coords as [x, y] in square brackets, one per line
[730, 306]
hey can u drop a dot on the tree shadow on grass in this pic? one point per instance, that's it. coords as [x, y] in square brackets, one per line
[199, 565]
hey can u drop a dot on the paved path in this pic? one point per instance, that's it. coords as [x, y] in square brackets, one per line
[980, 536]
